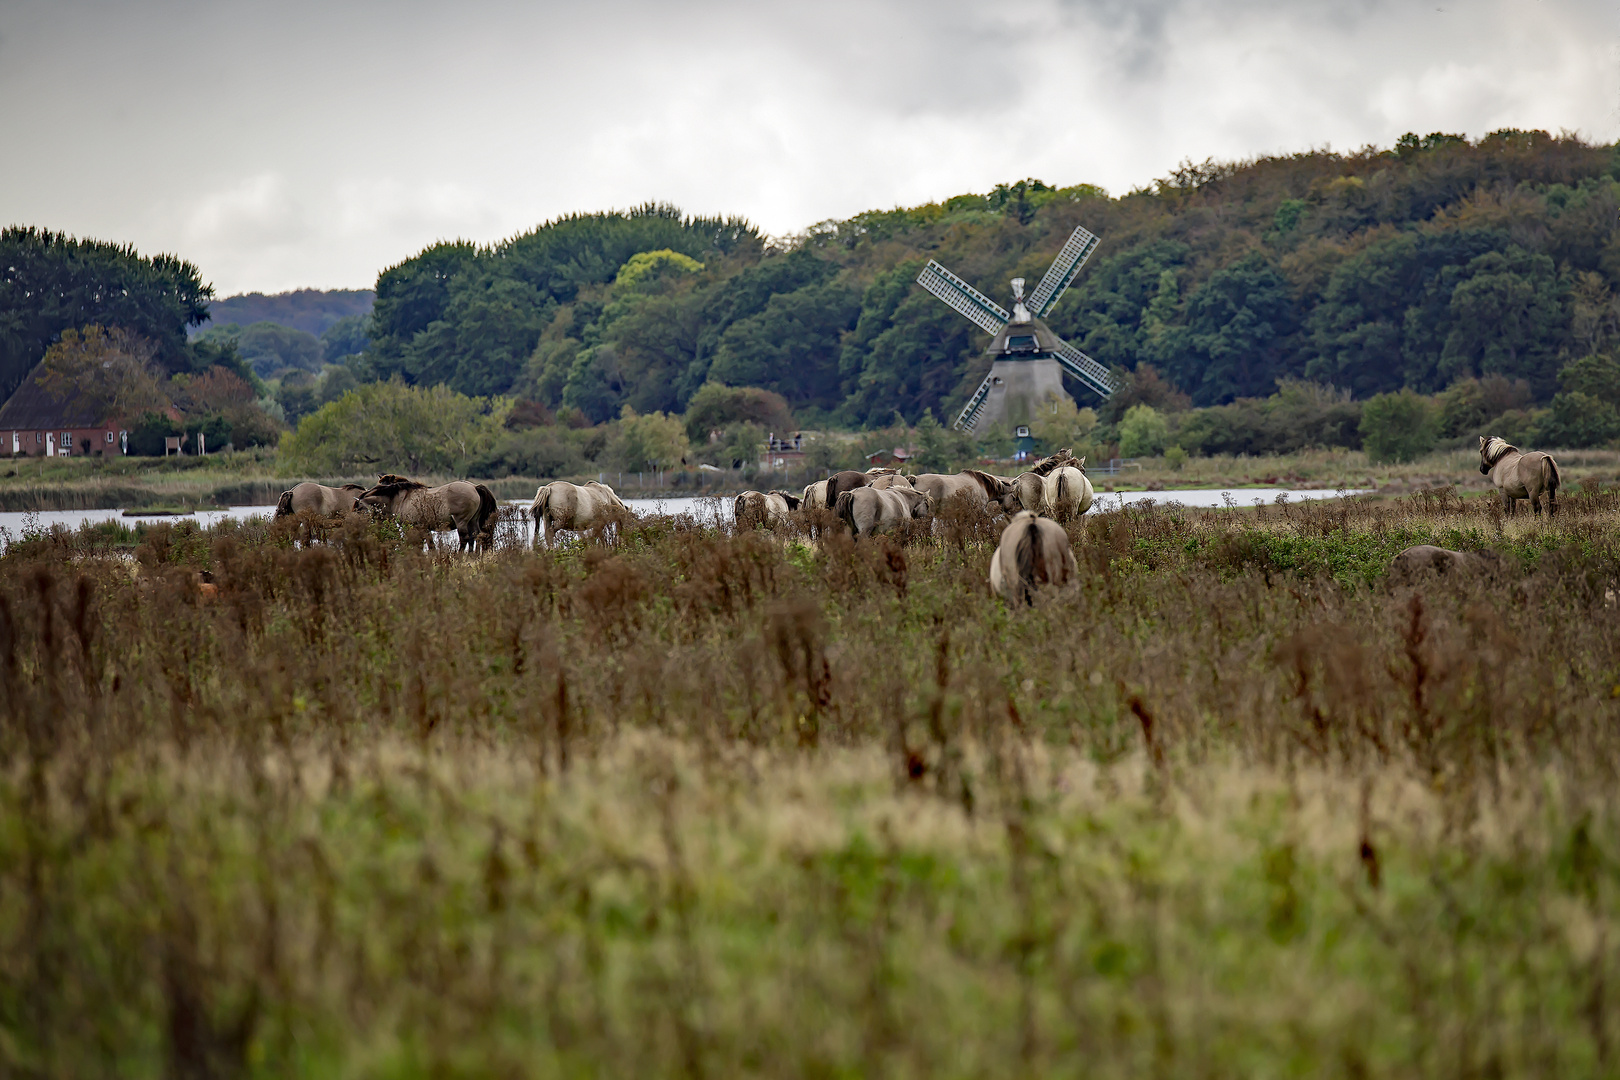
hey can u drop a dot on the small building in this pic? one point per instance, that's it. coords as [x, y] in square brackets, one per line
[893, 458]
[784, 453]
[35, 424]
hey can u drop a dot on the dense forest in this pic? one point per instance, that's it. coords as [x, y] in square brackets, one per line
[1435, 261]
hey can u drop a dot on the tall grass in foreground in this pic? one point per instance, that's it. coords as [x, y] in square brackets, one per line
[682, 802]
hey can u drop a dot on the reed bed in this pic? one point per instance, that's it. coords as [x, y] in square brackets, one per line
[673, 800]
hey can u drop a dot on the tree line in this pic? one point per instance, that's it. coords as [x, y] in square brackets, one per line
[1478, 275]
[1415, 267]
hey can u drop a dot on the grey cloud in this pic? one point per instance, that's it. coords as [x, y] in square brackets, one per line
[304, 143]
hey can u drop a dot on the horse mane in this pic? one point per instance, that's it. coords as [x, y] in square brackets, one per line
[1496, 448]
[389, 485]
[991, 484]
[791, 499]
[1056, 461]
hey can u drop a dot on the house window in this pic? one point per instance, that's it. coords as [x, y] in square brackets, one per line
[109, 436]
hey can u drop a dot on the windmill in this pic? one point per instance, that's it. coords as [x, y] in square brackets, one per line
[1027, 358]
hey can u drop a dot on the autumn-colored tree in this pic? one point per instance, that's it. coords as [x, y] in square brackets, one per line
[109, 369]
[217, 390]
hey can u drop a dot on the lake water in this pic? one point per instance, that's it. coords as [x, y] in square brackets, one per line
[711, 509]
[706, 509]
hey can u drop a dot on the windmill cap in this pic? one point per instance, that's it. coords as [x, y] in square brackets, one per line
[1033, 339]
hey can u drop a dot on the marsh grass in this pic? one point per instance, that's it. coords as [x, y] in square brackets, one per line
[673, 800]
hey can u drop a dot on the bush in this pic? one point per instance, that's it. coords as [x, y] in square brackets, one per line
[393, 427]
[1298, 416]
[1577, 421]
[1398, 427]
[544, 452]
[147, 435]
[714, 407]
[1142, 432]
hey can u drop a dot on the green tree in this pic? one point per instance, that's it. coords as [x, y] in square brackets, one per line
[1143, 432]
[51, 282]
[651, 441]
[1587, 411]
[347, 337]
[1398, 427]
[1060, 423]
[1239, 334]
[715, 406]
[392, 427]
[267, 347]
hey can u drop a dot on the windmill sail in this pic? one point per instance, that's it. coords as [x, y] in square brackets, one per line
[984, 312]
[1082, 242]
[1084, 368]
[975, 405]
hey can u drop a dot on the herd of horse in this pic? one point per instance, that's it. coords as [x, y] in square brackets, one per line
[1033, 553]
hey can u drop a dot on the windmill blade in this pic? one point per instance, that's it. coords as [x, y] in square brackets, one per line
[1084, 368]
[1082, 242]
[979, 308]
[975, 405]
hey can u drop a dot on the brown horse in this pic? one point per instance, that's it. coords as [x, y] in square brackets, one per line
[1034, 553]
[313, 498]
[461, 505]
[1518, 475]
[840, 482]
[1426, 561]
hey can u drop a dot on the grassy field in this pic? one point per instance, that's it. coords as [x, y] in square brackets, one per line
[697, 804]
[254, 478]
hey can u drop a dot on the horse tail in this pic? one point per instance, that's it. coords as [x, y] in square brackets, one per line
[1027, 557]
[542, 500]
[1549, 474]
[488, 514]
[284, 504]
[739, 511]
[846, 510]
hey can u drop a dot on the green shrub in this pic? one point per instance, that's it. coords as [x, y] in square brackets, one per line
[1143, 431]
[1398, 427]
[389, 426]
[1577, 420]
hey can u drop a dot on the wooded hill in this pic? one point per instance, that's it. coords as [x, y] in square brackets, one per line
[1416, 266]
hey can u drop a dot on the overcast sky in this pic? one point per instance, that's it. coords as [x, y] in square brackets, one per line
[288, 144]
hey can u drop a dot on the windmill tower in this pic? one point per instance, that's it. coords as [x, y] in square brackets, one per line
[1027, 359]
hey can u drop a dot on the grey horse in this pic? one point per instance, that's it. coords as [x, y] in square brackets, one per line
[312, 498]
[461, 505]
[1518, 475]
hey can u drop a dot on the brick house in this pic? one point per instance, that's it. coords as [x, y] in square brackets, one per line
[34, 424]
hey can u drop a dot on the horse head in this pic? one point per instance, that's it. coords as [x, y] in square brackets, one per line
[1492, 448]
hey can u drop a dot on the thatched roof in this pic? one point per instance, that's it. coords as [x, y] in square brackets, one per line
[32, 408]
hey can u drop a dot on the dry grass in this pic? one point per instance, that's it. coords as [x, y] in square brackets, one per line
[685, 802]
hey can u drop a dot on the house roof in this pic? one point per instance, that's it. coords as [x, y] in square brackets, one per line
[31, 407]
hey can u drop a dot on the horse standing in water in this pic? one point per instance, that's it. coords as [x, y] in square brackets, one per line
[461, 505]
[560, 506]
[1518, 475]
[312, 498]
